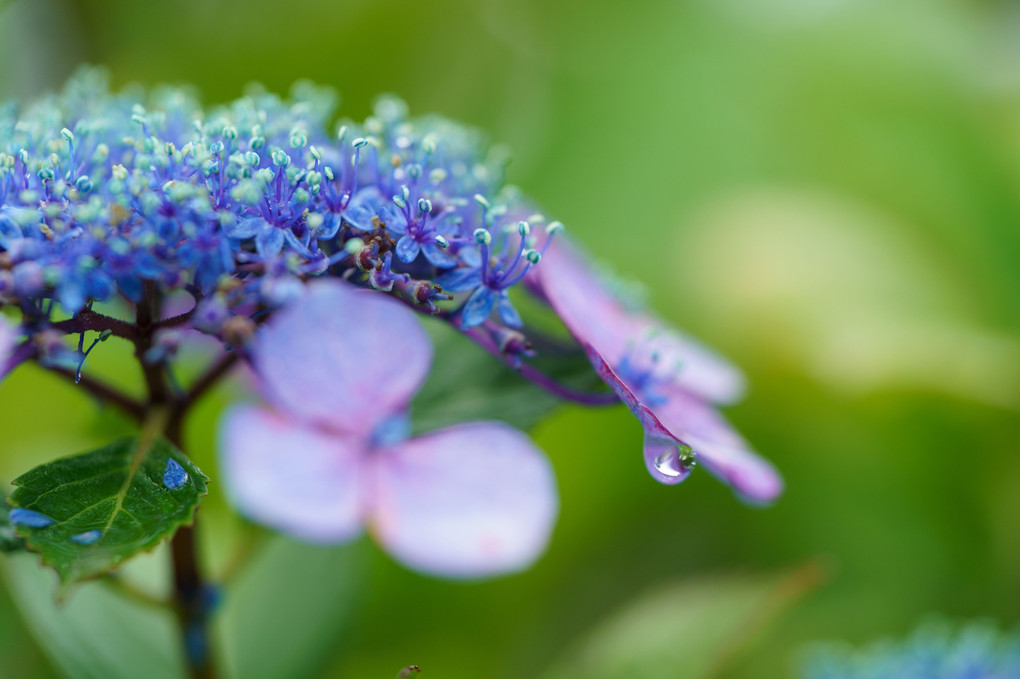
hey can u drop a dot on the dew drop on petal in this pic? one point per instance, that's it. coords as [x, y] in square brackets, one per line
[174, 476]
[675, 463]
[32, 519]
[87, 538]
[668, 463]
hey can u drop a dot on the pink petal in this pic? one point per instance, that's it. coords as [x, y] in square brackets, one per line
[291, 477]
[720, 449]
[471, 500]
[342, 357]
[594, 315]
[8, 340]
[685, 420]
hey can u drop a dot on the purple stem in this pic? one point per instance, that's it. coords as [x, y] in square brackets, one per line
[531, 373]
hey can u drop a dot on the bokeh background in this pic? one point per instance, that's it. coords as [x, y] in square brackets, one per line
[825, 190]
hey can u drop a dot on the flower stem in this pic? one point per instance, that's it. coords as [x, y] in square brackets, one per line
[193, 597]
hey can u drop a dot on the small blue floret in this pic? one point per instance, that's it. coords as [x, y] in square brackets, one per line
[174, 476]
[87, 538]
[32, 519]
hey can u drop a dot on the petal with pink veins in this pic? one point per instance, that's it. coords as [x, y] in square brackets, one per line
[291, 477]
[344, 358]
[471, 500]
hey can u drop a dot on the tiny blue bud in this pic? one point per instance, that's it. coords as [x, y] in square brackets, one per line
[533, 256]
[442, 242]
[257, 143]
[480, 199]
[84, 184]
[523, 229]
[399, 202]
[174, 475]
[554, 227]
[67, 134]
[30, 518]
[230, 132]
[483, 237]
[424, 206]
[280, 158]
[359, 142]
[216, 147]
[87, 538]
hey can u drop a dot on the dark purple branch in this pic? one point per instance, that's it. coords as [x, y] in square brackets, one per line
[536, 376]
[88, 320]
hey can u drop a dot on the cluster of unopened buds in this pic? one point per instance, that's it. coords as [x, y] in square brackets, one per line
[319, 261]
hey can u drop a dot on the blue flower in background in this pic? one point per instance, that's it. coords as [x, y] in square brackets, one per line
[936, 651]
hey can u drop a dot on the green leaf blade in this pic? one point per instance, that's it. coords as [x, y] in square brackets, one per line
[107, 505]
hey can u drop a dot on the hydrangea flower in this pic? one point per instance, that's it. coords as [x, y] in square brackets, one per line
[340, 366]
[106, 196]
[668, 380]
[933, 652]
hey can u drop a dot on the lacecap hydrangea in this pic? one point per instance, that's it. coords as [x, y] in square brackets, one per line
[262, 224]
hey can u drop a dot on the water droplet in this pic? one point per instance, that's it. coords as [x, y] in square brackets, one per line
[174, 476]
[668, 464]
[675, 463]
[87, 538]
[32, 519]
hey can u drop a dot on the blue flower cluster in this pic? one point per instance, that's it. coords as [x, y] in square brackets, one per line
[104, 196]
[933, 652]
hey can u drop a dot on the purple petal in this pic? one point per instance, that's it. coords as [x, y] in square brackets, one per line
[472, 500]
[684, 420]
[329, 357]
[438, 256]
[595, 316]
[407, 249]
[507, 311]
[720, 449]
[292, 477]
[478, 307]
[247, 228]
[460, 280]
[269, 242]
[8, 340]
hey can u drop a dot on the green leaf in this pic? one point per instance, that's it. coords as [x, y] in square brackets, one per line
[116, 491]
[290, 609]
[468, 383]
[690, 629]
[98, 634]
[9, 540]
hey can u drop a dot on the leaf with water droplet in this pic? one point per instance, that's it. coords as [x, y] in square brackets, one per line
[106, 505]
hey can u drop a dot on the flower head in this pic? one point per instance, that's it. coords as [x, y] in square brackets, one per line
[933, 652]
[667, 380]
[106, 196]
[340, 367]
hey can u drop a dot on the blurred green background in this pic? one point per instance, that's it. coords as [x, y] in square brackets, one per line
[825, 190]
